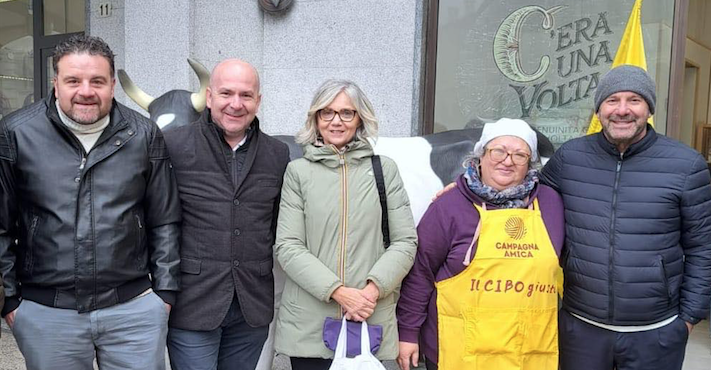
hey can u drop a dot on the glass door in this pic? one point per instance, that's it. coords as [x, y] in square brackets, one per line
[29, 31]
[58, 20]
[16, 55]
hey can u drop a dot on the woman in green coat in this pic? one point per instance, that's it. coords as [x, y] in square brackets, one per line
[329, 236]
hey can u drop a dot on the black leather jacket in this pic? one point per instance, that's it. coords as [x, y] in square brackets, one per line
[84, 231]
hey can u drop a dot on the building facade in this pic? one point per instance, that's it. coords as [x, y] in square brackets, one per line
[427, 65]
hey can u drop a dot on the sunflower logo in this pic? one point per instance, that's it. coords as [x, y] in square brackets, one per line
[514, 228]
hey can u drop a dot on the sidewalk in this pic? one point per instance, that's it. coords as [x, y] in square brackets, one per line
[698, 352]
[11, 358]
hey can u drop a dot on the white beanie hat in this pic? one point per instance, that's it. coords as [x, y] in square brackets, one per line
[507, 127]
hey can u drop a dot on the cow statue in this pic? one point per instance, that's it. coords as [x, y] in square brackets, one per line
[174, 108]
[426, 163]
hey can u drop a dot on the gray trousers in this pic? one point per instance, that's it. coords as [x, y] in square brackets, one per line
[130, 335]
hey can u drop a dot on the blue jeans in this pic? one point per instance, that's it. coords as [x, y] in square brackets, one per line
[129, 335]
[233, 345]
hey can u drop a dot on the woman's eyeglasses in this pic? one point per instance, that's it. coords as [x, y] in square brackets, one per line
[346, 115]
[499, 155]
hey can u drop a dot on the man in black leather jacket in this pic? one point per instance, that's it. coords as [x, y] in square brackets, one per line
[89, 222]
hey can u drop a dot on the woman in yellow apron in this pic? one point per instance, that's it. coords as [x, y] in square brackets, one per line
[483, 292]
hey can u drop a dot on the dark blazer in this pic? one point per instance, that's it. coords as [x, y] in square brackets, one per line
[228, 227]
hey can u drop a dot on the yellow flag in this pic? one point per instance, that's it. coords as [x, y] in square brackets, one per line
[631, 51]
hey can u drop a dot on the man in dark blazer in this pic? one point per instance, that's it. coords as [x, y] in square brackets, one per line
[229, 179]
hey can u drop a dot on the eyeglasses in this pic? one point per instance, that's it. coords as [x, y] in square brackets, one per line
[328, 114]
[499, 155]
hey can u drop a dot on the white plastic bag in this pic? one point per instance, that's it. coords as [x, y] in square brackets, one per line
[364, 361]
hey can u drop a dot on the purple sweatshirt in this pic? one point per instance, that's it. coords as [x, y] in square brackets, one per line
[444, 234]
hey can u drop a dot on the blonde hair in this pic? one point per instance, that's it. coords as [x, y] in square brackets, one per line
[325, 94]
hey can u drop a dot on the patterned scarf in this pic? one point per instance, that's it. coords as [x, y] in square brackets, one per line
[513, 197]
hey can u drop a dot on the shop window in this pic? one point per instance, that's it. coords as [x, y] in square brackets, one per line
[537, 60]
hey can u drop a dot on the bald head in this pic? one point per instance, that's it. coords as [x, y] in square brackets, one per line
[233, 98]
[234, 67]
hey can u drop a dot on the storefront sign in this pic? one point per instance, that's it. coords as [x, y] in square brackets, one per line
[579, 49]
[538, 60]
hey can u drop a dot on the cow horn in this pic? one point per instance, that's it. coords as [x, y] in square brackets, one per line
[199, 98]
[133, 91]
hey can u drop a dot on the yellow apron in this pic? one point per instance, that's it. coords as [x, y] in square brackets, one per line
[500, 313]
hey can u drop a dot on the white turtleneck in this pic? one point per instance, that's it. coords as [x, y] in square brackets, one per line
[87, 134]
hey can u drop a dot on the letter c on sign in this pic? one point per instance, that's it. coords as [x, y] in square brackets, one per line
[508, 38]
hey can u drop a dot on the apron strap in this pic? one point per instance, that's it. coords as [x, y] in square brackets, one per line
[533, 205]
[468, 256]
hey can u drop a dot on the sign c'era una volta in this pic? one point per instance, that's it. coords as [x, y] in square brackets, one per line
[540, 63]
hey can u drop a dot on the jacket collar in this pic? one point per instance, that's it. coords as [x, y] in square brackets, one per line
[214, 135]
[116, 123]
[647, 141]
[329, 156]
[206, 119]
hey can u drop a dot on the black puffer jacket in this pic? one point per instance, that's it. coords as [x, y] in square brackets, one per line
[91, 227]
[638, 229]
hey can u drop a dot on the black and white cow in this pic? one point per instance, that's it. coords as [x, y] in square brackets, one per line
[426, 163]
[174, 108]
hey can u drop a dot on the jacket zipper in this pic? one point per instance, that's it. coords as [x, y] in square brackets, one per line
[79, 177]
[344, 220]
[610, 269]
[140, 228]
[139, 238]
[665, 279]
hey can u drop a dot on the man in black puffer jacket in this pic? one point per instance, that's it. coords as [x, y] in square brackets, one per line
[638, 235]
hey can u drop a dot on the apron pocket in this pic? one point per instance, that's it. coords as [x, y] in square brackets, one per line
[540, 331]
[491, 332]
[540, 339]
